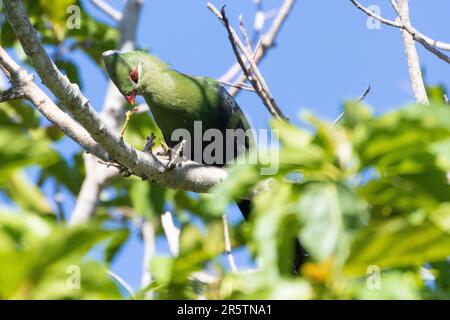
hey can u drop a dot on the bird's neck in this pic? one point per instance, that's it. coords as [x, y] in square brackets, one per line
[155, 80]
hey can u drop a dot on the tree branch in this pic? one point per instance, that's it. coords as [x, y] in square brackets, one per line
[255, 78]
[360, 98]
[228, 250]
[434, 46]
[188, 176]
[415, 73]
[107, 9]
[264, 45]
[23, 82]
[98, 175]
[172, 233]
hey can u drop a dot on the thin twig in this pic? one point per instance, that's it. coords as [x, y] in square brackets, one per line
[266, 43]
[244, 33]
[412, 57]
[360, 98]
[89, 131]
[228, 250]
[122, 282]
[237, 85]
[112, 114]
[428, 43]
[107, 9]
[256, 78]
[376, 17]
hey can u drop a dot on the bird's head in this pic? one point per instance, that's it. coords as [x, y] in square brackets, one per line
[125, 71]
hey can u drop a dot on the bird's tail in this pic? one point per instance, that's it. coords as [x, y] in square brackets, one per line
[300, 253]
[245, 207]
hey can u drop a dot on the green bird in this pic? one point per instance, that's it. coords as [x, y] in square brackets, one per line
[181, 101]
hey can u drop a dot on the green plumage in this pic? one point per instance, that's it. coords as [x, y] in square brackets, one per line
[176, 100]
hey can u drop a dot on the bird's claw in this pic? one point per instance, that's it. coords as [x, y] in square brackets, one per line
[128, 115]
[124, 172]
[176, 156]
[149, 143]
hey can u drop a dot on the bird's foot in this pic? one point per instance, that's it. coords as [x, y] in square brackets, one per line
[176, 156]
[128, 115]
[123, 171]
[149, 143]
[165, 147]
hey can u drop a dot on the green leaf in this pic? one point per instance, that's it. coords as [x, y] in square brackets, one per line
[271, 215]
[436, 94]
[25, 194]
[55, 11]
[173, 276]
[393, 286]
[70, 176]
[35, 257]
[115, 244]
[397, 242]
[147, 199]
[407, 131]
[140, 127]
[70, 69]
[261, 285]
[7, 35]
[95, 283]
[17, 112]
[330, 215]
[25, 151]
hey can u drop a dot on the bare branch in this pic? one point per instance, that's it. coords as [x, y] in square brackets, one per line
[360, 98]
[227, 240]
[244, 33]
[22, 80]
[122, 282]
[265, 43]
[409, 35]
[415, 73]
[188, 176]
[428, 43]
[256, 78]
[237, 85]
[269, 38]
[97, 175]
[107, 9]
[149, 237]
[231, 73]
[172, 233]
[376, 17]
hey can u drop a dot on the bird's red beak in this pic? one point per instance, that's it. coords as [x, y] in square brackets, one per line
[131, 98]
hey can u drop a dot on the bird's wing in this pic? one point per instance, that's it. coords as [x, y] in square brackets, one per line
[233, 114]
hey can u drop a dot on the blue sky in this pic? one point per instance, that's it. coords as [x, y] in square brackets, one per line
[324, 55]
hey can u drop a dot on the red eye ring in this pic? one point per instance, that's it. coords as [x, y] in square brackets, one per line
[134, 75]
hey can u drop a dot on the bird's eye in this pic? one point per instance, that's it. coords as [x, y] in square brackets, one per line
[134, 75]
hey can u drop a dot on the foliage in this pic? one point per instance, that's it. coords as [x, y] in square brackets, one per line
[42, 260]
[369, 199]
[369, 194]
